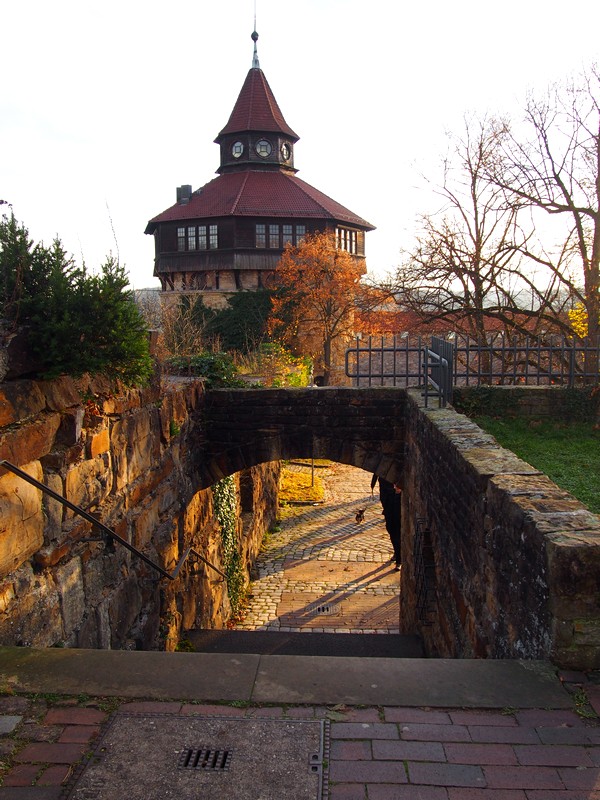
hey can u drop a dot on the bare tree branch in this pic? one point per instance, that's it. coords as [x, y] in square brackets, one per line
[555, 167]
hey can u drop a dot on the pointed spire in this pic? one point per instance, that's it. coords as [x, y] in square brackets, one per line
[255, 64]
[256, 109]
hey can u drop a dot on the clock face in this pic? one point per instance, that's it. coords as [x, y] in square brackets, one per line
[286, 151]
[237, 149]
[263, 148]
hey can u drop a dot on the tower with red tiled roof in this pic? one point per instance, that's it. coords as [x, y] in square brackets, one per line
[228, 235]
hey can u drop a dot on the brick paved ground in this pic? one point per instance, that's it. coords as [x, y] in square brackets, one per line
[40, 745]
[374, 753]
[324, 571]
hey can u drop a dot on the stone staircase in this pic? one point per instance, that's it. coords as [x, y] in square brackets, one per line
[360, 645]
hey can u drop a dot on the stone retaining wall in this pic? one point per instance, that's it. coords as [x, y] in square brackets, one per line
[512, 562]
[123, 456]
[558, 402]
[514, 565]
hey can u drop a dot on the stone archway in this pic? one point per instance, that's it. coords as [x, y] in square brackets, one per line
[323, 573]
[236, 429]
[506, 541]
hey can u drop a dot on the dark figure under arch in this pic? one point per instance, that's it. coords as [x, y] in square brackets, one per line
[391, 503]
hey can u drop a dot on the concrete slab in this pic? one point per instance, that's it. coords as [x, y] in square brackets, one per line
[285, 679]
[409, 682]
[162, 676]
[148, 756]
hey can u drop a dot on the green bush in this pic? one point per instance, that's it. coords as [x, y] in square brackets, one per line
[580, 403]
[217, 369]
[77, 322]
[242, 325]
[278, 367]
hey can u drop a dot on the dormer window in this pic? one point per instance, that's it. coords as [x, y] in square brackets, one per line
[237, 149]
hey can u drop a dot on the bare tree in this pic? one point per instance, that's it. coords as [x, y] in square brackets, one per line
[183, 327]
[179, 322]
[149, 303]
[553, 167]
[467, 266]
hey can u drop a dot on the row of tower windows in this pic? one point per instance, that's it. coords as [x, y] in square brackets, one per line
[197, 237]
[205, 237]
[277, 236]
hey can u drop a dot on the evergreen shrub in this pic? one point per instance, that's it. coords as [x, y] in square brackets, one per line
[77, 321]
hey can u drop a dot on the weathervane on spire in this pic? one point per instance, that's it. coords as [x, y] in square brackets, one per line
[254, 37]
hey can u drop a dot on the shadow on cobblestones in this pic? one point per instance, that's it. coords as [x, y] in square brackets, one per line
[324, 571]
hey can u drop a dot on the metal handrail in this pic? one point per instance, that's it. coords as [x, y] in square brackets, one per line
[80, 511]
[440, 386]
[428, 379]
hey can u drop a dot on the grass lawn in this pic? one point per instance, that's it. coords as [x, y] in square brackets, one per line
[568, 453]
[297, 487]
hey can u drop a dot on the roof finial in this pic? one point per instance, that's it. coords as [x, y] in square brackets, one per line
[255, 64]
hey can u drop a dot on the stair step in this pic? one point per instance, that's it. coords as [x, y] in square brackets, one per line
[385, 645]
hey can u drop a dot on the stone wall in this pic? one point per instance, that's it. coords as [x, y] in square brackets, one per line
[237, 428]
[498, 561]
[511, 562]
[540, 402]
[123, 456]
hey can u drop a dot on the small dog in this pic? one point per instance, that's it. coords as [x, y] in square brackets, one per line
[360, 514]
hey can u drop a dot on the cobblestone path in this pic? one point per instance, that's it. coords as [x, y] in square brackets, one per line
[324, 571]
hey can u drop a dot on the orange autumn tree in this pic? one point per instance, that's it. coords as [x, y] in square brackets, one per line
[316, 287]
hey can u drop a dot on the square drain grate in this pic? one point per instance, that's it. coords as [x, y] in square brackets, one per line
[328, 609]
[205, 758]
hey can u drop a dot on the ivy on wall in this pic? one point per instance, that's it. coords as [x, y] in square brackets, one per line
[225, 505]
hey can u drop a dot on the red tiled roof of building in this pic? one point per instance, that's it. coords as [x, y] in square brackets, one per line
[256, 109]
[255, 193]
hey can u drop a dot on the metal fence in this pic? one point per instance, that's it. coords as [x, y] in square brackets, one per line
[401, 360]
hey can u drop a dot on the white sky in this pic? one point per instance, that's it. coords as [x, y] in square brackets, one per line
[106, 108]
